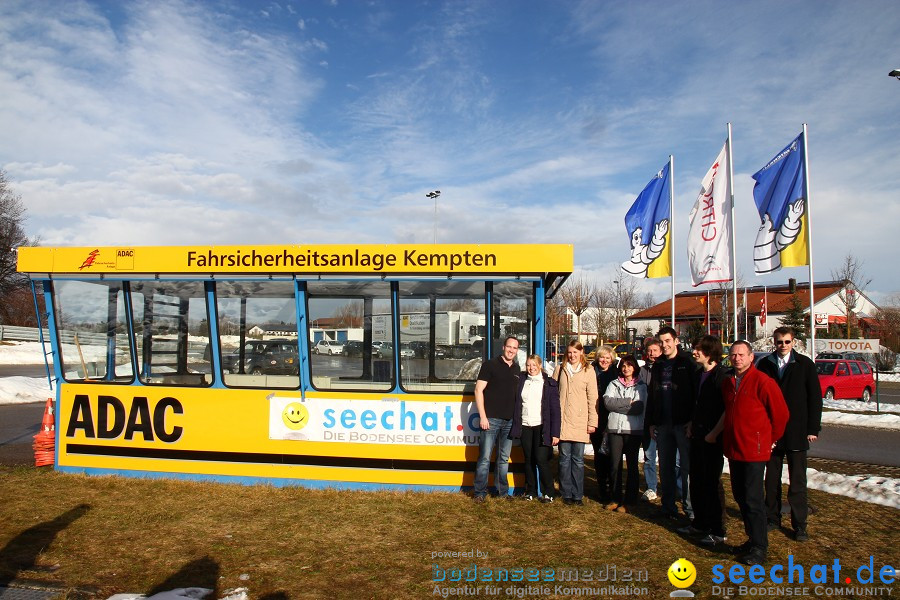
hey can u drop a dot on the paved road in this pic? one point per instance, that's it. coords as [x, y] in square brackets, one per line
[23, 371]
[858, 444]
[18, 425]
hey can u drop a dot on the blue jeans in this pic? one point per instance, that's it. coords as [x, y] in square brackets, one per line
[571, 470]
[650, 465]
[673, 445]
[486, 441]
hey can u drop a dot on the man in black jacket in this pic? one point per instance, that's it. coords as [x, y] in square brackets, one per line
[670, 405]
[799, 382]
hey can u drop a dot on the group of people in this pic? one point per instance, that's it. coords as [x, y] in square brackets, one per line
[687, 408]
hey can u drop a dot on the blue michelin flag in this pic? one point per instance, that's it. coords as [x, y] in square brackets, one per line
[780, 196]
[647, 223]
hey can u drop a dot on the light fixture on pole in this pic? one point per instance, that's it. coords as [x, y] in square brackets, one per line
[895, 73]
[434, 196]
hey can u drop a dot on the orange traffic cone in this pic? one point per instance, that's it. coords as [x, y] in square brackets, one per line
[48, 423]
[45, 440]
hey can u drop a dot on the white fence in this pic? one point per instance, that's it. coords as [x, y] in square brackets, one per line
[30, 334]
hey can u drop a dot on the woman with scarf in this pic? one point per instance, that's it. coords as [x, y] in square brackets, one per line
[578, 420]
[625, 399]
[536, 424]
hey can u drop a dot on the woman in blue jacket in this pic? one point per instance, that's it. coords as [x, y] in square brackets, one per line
[536, 423]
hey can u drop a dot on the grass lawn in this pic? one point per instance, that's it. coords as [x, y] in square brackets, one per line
[109, 534]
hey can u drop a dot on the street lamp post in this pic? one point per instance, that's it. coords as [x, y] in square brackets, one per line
[434, 196]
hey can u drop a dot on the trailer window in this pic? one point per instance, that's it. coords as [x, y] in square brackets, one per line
[171, 326]
[442, 335]
[93, 334]
[258, 334]
[513, 315]
[351, 335]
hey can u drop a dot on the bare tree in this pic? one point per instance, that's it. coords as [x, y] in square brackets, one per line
[578, 295]
[851, 275]
[724, 290]
[623, 300]
[645, 301]
[555, 311]
[12, 235]
[462, 305]
[603, 319]
[349, 315]
[889, 323]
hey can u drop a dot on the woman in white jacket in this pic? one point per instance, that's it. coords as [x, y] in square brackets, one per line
[625, 399]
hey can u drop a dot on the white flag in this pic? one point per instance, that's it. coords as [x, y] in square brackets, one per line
[709, 237]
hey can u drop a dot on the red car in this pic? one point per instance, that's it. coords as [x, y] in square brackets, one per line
[840, 378]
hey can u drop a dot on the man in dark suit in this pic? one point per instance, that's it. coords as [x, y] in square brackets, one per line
[799, 382]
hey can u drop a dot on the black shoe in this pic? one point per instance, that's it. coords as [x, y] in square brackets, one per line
[545, 499]
[756, 556]
[691, 530]
[578, 502]
[478, 499]
[665, 515]
[801, 536]
[568, 501]
[743, 548]
[773, 525]
[712, 540]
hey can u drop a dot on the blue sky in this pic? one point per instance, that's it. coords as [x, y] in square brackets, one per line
[170, 122]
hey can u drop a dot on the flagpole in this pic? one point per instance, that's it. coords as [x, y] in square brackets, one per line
[812, 316]
[672, 229]
[708, 324]
[766, 302]
[746, 320]
[733, 227]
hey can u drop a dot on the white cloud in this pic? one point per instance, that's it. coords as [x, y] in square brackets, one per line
[536, 129]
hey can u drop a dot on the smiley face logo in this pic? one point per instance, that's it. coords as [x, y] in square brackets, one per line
[295, 416]
[682, 573]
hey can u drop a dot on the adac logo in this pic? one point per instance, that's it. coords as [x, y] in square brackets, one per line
[89, 261]
[682, 574]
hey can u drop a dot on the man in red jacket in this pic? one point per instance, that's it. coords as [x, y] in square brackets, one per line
[755, 418]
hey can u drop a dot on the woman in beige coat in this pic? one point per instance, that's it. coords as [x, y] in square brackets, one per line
[578, 420]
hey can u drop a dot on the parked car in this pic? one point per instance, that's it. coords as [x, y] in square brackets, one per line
[329, 347]
[623, 350]
[867, 358]
[383, 350]
[353, 348]
[550, 351]
[840, 378]
[266, 357]
[406, 351]
[419, 348]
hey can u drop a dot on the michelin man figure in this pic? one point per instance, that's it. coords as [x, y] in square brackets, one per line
[770, 243]
[644, 254]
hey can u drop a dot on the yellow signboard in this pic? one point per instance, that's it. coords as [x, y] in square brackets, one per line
[302, 259]
[230, 433]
